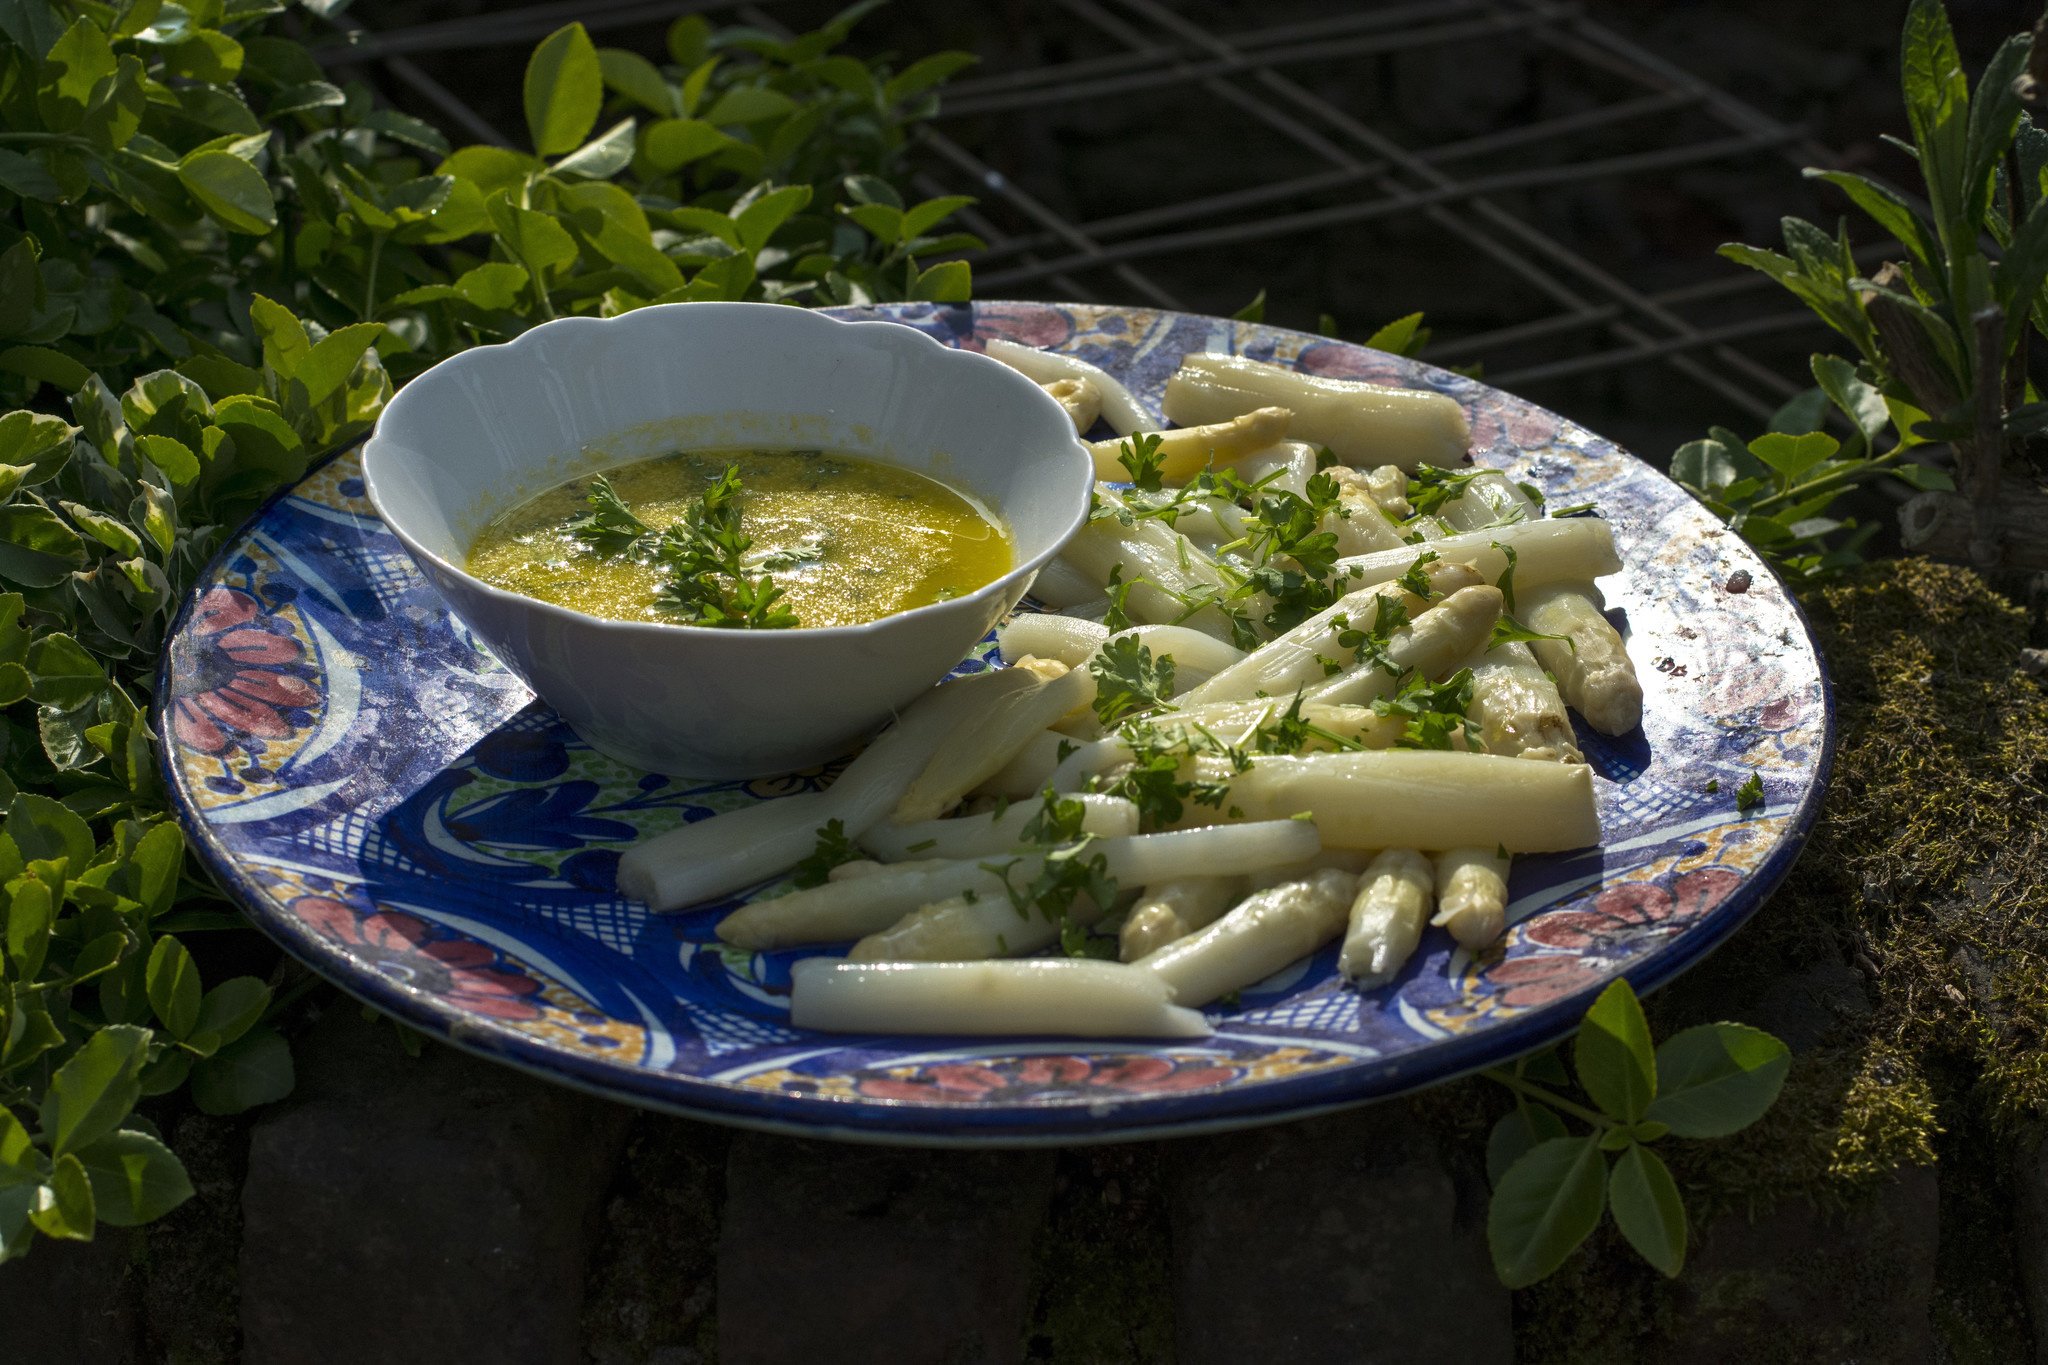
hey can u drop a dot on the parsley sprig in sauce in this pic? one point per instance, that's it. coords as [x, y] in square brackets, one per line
[709, 581]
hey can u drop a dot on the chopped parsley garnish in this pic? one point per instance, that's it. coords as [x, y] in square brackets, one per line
[833, 848]
[1713, 785]
[1118, 616]
[1750, 793]
[1577, 509]
[1140, 456]
[1435, 712]
[1057, 821]
[708, 581]
[1128, 680]
[1415, 581]
[1507, 631]
[1153, 782]
[1506, 581]
[1429, 488]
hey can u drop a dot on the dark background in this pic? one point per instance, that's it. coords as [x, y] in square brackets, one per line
[1802, 82]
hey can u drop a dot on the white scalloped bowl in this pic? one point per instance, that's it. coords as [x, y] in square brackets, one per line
[481, 432]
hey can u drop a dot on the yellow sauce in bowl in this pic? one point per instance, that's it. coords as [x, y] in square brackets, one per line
[848, 540]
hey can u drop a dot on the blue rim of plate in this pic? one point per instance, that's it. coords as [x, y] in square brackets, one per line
[262, 668]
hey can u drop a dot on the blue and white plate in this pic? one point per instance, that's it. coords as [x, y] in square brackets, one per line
[397, 811]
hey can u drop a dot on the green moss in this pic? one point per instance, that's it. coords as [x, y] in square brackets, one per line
[1102, 1273]
[1906, 957]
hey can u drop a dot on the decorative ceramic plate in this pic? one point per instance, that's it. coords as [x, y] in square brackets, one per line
[401, 814]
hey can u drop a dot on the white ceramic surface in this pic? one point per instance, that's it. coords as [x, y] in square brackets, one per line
[480, 432]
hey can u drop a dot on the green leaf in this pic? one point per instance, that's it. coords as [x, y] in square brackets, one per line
[1397, 337]
[304, 98]
[1924, 477]
[42, 828]
[1888, 208]
[63, 674]
[949, 282]
[493, 285]
[564, 90]
[1861, 403]
[1648, 1209]
[17, 1153]
[924, 74]
[81, 59]
[749, 104]
[603, 156]
[1801, 413]
[1792, 455]
[135, 1178]
[1255, 311]
[928, 215]
[232, 190]
[328, 364]
[170, 455]
[1613, 1057]
[1717, 1079]
[1548, 1202]
[37, 549]
[25, 176]
[42, 363]
[31, 910]
[95, 1089]
[64, 1207]
[227, 1012]
[535, 238]
[672, 143]
[1519, 1130]
[173, 980]
[36, 440]
[758, 221]
[256, 1069]
[638, 79]
[490, 168]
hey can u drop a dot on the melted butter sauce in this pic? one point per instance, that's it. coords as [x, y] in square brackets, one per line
[876, 539]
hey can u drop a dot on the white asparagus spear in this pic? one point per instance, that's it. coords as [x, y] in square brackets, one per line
[1171, 910]
[1158, 562]
[1060, 584]
[1593, 672]
[865, 906]
[1187, 450]
[1517, 707]
[1367, 527]
[1576, 550]
[1426, 798]
[1360, 423]
[1388, 484]
[980, 744]
[1080, 397]
[1119, 408]
[1047, 636]
[1087, 760]
[709, 858]
[1060, 997]
[868, 867]
[1234, 722]
[1029, 771]
[1603, 685]
[1287, 467]
[1387, 916]
[1270, 929]
[990, 833]
[1294, 660]
[1428, 645]
[1472, 895]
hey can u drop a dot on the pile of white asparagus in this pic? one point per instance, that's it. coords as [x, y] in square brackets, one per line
[1233, 738]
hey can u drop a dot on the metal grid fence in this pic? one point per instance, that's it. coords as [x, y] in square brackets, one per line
[1586, 317]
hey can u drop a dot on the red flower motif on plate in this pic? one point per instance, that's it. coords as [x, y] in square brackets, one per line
[235, 682]
[1622, 915]
[465, 973]
[1012, 1080]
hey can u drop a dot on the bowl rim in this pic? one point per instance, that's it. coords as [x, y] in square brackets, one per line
[923, 345]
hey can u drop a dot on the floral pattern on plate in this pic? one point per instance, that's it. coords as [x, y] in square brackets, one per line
[398, 811]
